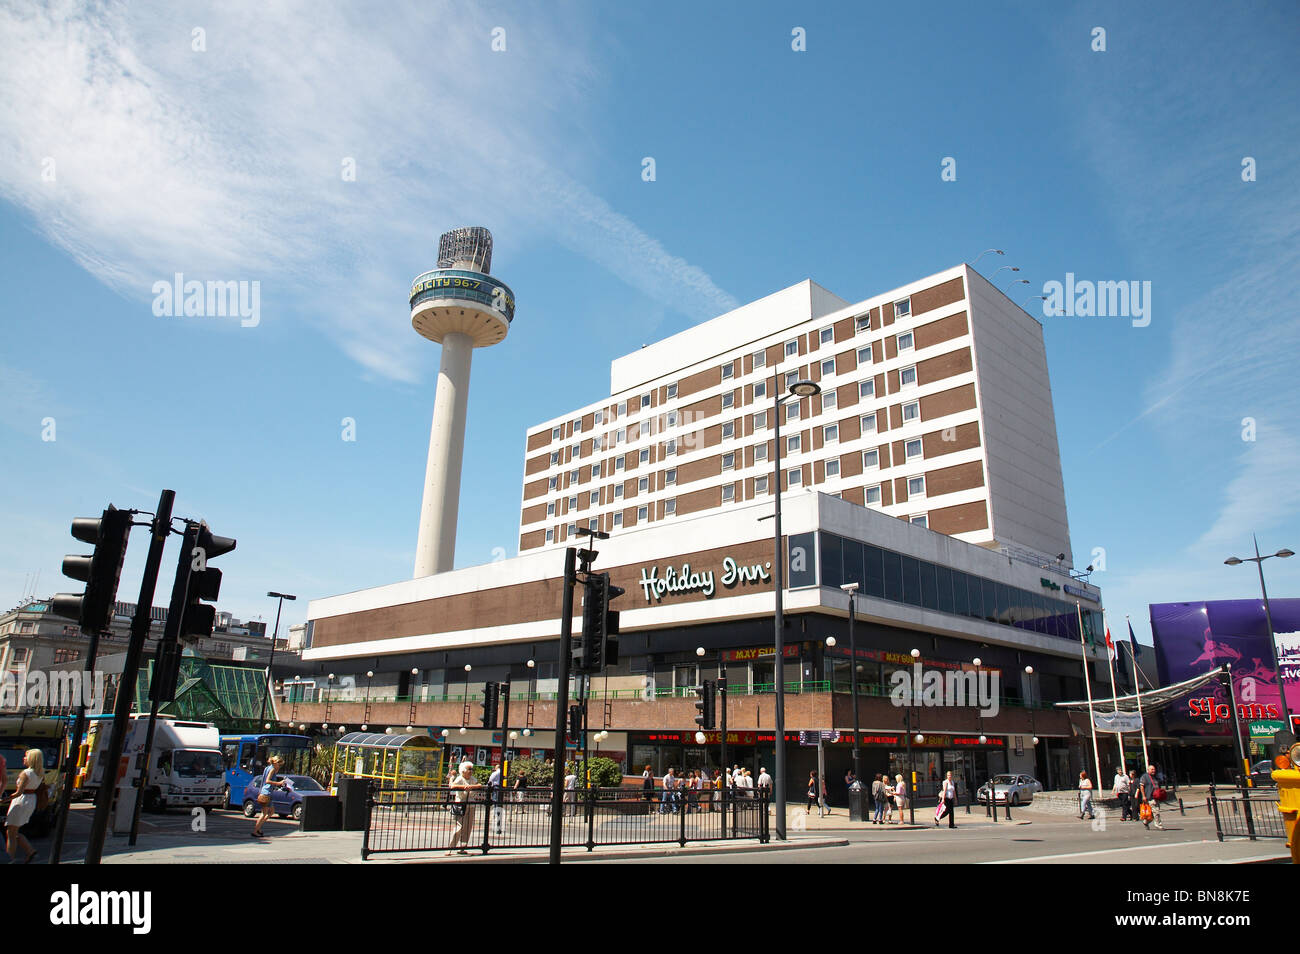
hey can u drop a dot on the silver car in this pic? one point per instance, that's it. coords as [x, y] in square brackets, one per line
[1016, 789]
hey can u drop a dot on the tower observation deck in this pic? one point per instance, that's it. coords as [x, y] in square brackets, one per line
[460, 306]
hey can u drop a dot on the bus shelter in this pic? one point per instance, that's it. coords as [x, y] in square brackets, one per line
[388, 761]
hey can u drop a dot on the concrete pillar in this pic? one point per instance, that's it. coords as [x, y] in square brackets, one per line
[435, 549]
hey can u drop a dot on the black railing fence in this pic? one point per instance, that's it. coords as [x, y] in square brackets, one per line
[430, 819]
[1246, 813]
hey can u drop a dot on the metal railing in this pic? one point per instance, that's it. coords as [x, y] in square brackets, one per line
[430, 820]
[1246, 813]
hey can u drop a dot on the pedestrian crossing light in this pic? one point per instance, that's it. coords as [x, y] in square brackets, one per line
[707, 707]
[598, 647]
[490, 703]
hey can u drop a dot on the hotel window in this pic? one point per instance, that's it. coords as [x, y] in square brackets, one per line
[619, 462]
[672, 418]
[864, 355]
[916, 486]
[728, 493]
[593, 523]
[618, 520]
[595, 471]
[830, 434]
[729, 400]
[550, 509]
[550, 535]
[594, 499]
[573, 528]
[618, 491]
[670, 448]
[873, 494]
[870, 460]
[555, 458]
[728, 370]
[828, 367]
[552, 483]
[598, 417]
[640, 514]
[862, 323]
[867, 388]
[573, 477]
[907, 377]
[645, 455]
[760, 390]
[794, 478]
[905, 341]
[728, 430]
[575, 451]
[793, 444]
[577, 426]
[827, 335]
[868, 423]
[903, 308]
[621, 437]
[645, 400]
[670, 476]
[556, 433]
[792, 412]
[622, 409]
[921, 520]
[912, 411]
[760, 485]
[760, 359]
[760, 452]
[912, 449]
[791, 348]
[832, 468]
[760, 420]
[728, 461]
[644, 430]
[790, 378]
[829, 400]
[573, 503]
[643, 485]
[670, 506]
[672, 391]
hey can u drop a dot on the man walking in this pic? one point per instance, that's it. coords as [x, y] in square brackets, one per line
[1122, 795]
[666, 799]
[494, 798]
[1149, 786]
[878, 799]
[948, 792]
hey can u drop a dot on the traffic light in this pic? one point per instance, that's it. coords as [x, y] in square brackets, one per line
[598, 649]
[166, 672]
[100, 571]
[491, 699]
[575, 722]
[708, 705]
[200, 545]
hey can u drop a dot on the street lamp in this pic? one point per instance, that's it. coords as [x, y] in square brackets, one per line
[996, 251]
[799, 389]
[722, 705]
[852, 590]
[274, 635]
[1268, 616]
[911, 765]
[1014, 268]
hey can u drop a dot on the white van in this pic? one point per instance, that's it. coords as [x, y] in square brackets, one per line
[185, 765]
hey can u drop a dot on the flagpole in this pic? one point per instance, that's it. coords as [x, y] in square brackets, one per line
[1114, 697]
[1137, 687]
[1087, 681]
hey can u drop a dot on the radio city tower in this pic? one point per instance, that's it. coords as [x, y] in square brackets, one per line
[459, 306]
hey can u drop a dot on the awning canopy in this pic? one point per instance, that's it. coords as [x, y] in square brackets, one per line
[371, 740]
[1152, 700]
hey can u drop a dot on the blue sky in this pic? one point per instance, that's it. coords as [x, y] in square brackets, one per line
[126, 155]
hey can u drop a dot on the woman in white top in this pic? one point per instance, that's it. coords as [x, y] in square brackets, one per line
[462, 809]
[900, 796]
[22, 805]
[1085, 795]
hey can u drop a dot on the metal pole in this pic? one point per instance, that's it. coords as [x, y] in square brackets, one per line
[911, 774]
[778, 783]
[726, 772]
[266, 690]
[1241, 748]
[505, 740]
[159, 530]
[1137, 690]
[74, 747]
[1272, 642]
[148, 746]
[1087, 681]
[853, 688]
[562, 705]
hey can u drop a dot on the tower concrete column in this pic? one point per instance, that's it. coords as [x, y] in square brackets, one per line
[435, 548]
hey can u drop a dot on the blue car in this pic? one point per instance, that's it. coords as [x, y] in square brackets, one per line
[285, 800]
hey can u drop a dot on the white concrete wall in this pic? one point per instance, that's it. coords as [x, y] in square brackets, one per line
[1015, 396]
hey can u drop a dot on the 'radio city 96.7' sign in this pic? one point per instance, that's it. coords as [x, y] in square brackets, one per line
[686, 580]
[458, 283]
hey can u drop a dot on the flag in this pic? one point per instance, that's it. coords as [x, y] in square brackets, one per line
[1110, 645]
[1133, 642]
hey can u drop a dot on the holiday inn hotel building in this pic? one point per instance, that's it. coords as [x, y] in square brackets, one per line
[926, 470]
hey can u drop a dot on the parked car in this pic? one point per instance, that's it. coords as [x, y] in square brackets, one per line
[1261, 774]
[1016, 789]
[286, 800]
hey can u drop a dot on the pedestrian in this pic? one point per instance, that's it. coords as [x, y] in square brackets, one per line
[851, 783]
[1148, 785]
[764, 782]
[521, 793]
[647, 788]
[877, 800]
[812, 793]
[462, 808]
[264, 799]
[571, 788]
[947, 801]
[1121, 790]
[747, 784]
[22, 805]
[1085, 796]
[900, 796]
[823, 806]
[494, 798]
[666, 797]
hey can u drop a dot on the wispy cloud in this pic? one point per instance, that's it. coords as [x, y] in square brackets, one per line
[226, 162]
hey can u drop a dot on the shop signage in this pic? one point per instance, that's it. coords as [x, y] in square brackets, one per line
[1076, 591]
[686, 580]
[815, 738]
[1049, 584]
[758, 652]
[1265, 729]
[1117, 721]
